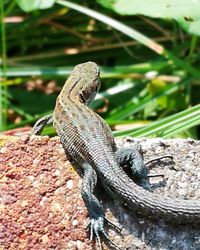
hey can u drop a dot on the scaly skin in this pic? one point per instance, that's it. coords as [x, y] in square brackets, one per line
[88, 140]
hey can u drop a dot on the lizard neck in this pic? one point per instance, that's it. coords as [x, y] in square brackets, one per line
[80, 92]
[69, 95]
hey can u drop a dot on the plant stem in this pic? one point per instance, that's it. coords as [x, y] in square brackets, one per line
[3, 88]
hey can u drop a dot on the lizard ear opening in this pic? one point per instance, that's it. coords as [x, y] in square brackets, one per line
[82, 98]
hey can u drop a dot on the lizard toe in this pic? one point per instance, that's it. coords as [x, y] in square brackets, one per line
[97, 228]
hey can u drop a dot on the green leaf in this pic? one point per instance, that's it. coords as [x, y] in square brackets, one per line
[30, 5]
[190, 25]
[155, 8]
[186, 12]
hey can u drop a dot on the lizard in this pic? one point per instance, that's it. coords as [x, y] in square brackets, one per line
[88, 140]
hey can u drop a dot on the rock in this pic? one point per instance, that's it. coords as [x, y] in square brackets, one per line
[38, 207]
[41, 205]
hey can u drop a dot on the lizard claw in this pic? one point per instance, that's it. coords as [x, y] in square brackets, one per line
[97, 228]
[112, 224]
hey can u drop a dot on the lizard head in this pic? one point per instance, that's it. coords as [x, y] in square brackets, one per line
[83, 83]
[89, 81]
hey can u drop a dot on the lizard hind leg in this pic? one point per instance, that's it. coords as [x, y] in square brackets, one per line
[95, 211]
[134, 160]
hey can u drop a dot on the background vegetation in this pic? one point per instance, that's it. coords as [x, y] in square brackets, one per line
[148, 52]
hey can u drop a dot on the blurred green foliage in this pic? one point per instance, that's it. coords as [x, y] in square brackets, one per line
[149, 67]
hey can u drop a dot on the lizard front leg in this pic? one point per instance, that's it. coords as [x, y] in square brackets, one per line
[95, 211]
[94, 208]
[41, 123]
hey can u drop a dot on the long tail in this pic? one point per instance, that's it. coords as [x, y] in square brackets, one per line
[145, 202]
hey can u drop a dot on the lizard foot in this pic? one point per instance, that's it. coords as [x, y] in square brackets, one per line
[97, 228]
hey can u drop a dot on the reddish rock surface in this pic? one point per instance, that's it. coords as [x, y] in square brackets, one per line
[40, 202]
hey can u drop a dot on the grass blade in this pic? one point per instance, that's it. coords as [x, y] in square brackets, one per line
[167, 126]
